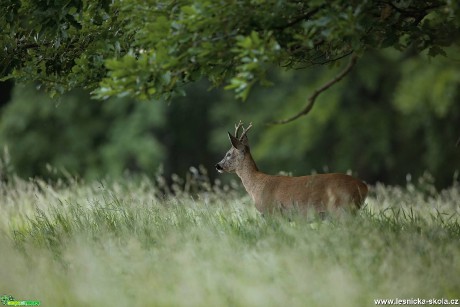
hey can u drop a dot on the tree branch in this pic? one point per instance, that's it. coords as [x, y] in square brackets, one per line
[300, 18]
[313, 61]
[311, 100]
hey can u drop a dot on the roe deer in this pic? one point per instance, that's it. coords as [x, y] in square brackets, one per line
[321, 192]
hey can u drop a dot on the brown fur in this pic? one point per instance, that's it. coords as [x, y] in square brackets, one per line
[321, 192]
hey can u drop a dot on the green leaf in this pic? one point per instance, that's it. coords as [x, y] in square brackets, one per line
[436, 50]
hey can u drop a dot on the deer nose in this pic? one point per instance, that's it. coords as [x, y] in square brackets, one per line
[219, 168]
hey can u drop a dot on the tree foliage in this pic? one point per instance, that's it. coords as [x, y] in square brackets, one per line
[387, 119]
[75, 136]
[152, 48]
[395, 113]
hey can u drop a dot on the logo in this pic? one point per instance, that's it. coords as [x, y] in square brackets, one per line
[5, 299]
[9, 300]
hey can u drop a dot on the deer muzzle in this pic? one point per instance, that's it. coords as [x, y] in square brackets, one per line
[219, 168]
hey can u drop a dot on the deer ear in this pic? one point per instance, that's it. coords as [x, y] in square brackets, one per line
[235, 142]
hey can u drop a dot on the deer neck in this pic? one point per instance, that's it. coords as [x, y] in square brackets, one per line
[248, 173]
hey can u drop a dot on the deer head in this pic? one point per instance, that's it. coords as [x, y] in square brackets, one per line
[240, 148]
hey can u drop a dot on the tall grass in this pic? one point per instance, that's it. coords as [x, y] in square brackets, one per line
[135, 242]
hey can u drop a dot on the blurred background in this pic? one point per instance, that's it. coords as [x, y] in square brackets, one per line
[395, 117]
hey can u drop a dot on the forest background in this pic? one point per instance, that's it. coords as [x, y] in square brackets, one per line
[394, 117]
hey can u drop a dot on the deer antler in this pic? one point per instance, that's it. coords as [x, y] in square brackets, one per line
[244, 131]
[237, 127]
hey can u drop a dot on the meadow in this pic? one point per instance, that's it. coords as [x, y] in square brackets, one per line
[136, 242]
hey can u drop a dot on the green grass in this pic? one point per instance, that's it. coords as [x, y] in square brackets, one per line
[125, 243]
